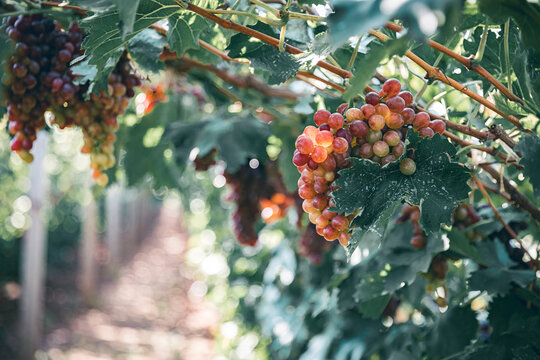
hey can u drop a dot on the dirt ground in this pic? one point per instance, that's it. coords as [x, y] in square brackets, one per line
[152, 310]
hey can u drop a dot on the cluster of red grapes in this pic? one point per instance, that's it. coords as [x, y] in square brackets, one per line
[37, 75]
[312, 245]
[40, 79]
[249, 186]
[374, 131]
[412, 214]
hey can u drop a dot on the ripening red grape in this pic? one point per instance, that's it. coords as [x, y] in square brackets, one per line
[353, 114]
[305, 145]
[340, 223]
[392, 138]
[381, 148]
[335, 121]
[418, 242]
[376, 122]
[396, 104]
[341, 108]
[408, 116]
[306, 191]
[407, 97]
[319, 202]
[372, 98]
[345, 134]
[367, 110]
[391, 87]
[321, 117]
[359, 128]
[340, 145]
[383, 110]
[421, 120]
[300, 159]
[311, 132]
[394, 121]
[387, 159]
[438, 126]
[426, 132]
[330, 233]
[319, 154]
[329, 164]
[307, 206]
[397, 150]
[324, 138]
[366, 151]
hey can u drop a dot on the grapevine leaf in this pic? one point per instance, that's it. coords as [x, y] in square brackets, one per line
[105, 41]
[344, 22]
[371, 61]
[529, 146]
[96, 6]
[180, 35]
[525, 64]
[498, 281]
[459, 321]
[145, 49]
[436, 186]
[525, 13]
[494, 254]
[280, 65]
[127, 10]
[237, 140]
[89, 73]
[373, 308]
[463, 246]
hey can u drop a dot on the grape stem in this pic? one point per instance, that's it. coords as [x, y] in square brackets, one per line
[313, 76]
[517, 197]
[499, 217]
[469, 63]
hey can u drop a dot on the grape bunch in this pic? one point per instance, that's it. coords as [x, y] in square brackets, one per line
[312, 245]
[465, 216]
[37, 75]
[436, 278]
[275, 207]
[412, 214]
[39, 79]
[375, 131]
[249, 186]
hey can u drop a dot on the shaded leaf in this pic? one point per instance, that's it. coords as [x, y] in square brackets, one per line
[145, 49]
[498, 281]
[529, 146]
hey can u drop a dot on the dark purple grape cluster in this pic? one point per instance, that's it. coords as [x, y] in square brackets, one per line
[248, 187]
[37, 75]
[312, 245]
[39, 78]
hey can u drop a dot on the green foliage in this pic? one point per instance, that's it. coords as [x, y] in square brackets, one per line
[145, 48]
[498, 281]
[436, 186]
[529, 146]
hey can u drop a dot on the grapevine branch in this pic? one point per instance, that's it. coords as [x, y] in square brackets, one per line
[469, 63]
[499, 217]
[436, 74]
[518, 199]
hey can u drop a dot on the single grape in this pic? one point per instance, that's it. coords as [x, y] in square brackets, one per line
[319, 154]
[438, 126]
[340, 145]
[342, 108]
[383, 110]
[359, 128]
[321, 117]
[376, 122]
[344, 239]
[319, 202]
[305, 145]
[392, 138]
[324, 127]
[321, 222]
[345, 134]
[328, 214]
[408, 116]
[330, 233]
[366, 151]
[373, 136]
[427, 131]
[300, 159]
[354, 114]
[336, 121]
[367, 110]
[311, 132]
[418, 242]
[391, 87]
[407, 166]
[387, 159]
[380, 148]
[394, 121]
[340, 223]
[330, 163]
[307, 176]
[372, 98]
[397, 150]
[396, 104]
[407, 96]
[421, 120]
[306, 191]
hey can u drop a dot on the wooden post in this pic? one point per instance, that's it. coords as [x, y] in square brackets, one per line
[34, 252]
[112, 236]
[88, 270]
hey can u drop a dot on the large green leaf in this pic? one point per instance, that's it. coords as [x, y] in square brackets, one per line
[526, 13]
[236, 138]
[184, 30]
[127, 10]
[279, 65]
[436, 186]
[529, 146]
[145, 49]
[498, 281]
[461, 323]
